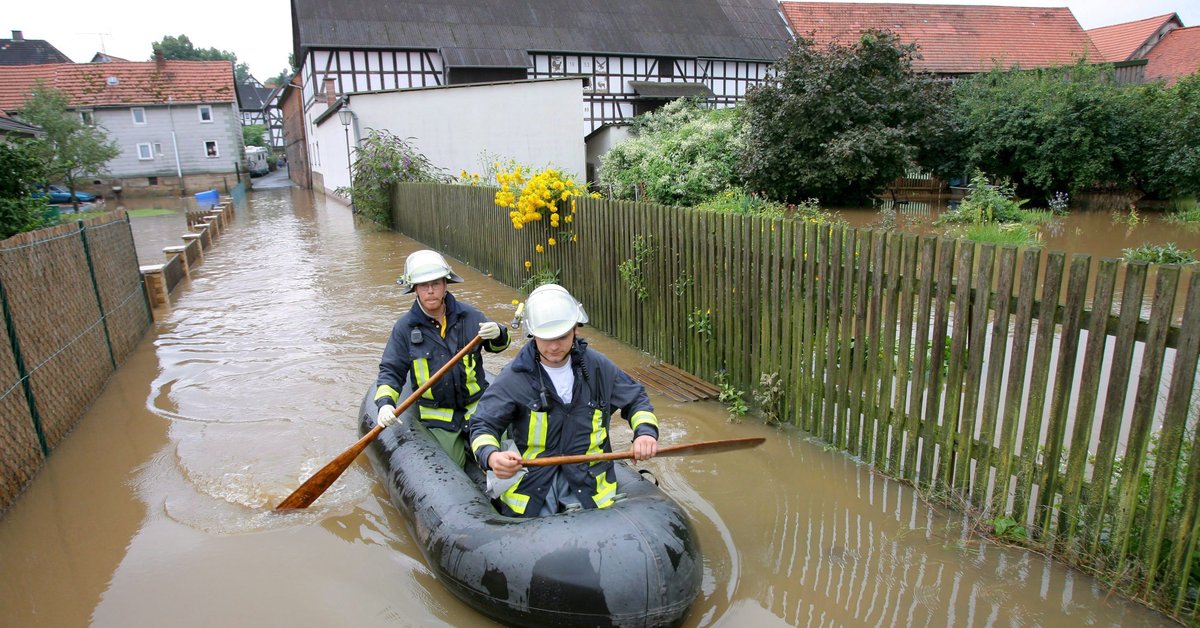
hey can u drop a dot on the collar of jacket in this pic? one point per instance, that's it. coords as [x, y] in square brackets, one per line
[527, 362]
[453, 311]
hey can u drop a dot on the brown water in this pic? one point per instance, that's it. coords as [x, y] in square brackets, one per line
[155, 511]
[1096, 233]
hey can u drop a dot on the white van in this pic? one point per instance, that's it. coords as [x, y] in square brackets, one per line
[256, 161]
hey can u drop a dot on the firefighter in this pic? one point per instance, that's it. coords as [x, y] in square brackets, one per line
[556, 398]
[423, 340]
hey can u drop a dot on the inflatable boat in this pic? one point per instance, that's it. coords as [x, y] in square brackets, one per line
[636, 563]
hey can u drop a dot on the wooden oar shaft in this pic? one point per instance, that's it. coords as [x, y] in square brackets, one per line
[315, 486]
[704, 447]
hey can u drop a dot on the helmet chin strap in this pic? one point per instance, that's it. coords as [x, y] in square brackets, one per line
[422, 306]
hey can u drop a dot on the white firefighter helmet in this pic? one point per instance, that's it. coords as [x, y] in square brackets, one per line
[425, 265]
[551, 311]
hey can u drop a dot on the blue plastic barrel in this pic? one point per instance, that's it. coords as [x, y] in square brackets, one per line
[207, 197]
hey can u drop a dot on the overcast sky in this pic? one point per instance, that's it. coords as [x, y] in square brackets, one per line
[260, 31]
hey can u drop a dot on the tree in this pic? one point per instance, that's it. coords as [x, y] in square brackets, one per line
[20, 172]
[840, 122]
[71, 149]
[181, 48]
[1173, 146]
[1064, 128]
[252, 135]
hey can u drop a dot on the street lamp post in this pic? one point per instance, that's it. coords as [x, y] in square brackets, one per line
[346, 117]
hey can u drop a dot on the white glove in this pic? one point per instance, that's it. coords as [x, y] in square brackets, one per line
[387, 416]
[489, 330]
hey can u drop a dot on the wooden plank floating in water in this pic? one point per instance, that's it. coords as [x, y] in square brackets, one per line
[674, 383]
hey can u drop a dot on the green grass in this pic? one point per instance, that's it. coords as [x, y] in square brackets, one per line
[150, 212]
[1010, 234]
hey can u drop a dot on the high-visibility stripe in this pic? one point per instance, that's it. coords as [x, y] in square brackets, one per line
[471, 407]
[642, 416]
[387, 391]
[515, 500]
[536, 443]
[421, 372]
[485, 439]
[605, 491]
[437, 414]
[472, 381]
[599, 434]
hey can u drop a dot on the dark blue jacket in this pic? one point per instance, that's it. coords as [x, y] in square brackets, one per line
[416, 350]
[515, 402]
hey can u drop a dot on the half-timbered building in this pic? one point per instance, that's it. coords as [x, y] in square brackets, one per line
[635, 55]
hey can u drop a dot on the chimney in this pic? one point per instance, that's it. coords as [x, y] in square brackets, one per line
[159, 61]
[330, 91]
[18, 36]
[330, 94]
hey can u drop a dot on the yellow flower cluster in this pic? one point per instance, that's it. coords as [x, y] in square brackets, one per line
[547, 195]
[472, 179]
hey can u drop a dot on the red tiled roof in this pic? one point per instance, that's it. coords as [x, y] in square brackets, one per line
[136, 83]
[952, 38]
[1118, 42]
[1176, 55]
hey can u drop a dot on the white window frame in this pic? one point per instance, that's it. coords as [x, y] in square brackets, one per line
[133, 113]
[200, 112]
[148, 154]
[87, 117]
[158, 148]
[216, 149]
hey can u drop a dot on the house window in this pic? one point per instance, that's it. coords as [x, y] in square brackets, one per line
[158, 149]
[86, 117]
[210, 148]
[206, 113]
[144, 152]
[139, 115]
[666, 68]
[152, 180]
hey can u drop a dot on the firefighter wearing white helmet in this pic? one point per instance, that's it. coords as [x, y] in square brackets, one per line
[423, 341]
[556, 398]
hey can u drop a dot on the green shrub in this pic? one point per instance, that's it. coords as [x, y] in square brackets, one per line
[381, 160]
[1167, 253]
[679, 155]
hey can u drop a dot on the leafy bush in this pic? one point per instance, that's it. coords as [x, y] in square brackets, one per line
[986, 203]
[20, 170]
[840, 122]
[1167, 253]
[381, 160]
[1075, 127]
[678, 155]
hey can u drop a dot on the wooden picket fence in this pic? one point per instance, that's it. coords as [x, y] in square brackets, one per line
[1019, 384]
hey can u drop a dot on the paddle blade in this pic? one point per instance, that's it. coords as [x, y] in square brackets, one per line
[690, 449]
[320, 481]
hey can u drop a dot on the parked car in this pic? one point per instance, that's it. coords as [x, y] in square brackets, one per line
[60, 194]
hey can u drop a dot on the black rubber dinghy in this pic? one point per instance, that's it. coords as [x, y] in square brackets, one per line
[636, 563]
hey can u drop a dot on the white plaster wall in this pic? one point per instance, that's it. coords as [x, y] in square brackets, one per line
[534, 122]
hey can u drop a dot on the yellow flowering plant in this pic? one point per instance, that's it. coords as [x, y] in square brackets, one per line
[546, 198]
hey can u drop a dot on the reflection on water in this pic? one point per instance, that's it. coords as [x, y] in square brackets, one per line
[251, 383]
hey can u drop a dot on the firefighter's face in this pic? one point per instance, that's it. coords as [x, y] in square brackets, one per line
[431, 294]
[556, 351]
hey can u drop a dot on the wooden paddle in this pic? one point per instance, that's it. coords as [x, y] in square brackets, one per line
[704, 447]
[320, 481]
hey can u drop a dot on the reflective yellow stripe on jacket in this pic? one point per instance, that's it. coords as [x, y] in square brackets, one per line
[472, 379]
[421, 372]
[387, 391]
[642, 416]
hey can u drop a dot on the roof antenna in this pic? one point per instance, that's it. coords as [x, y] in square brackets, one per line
[103, 49]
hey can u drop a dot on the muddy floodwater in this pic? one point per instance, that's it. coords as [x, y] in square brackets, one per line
[155, 511]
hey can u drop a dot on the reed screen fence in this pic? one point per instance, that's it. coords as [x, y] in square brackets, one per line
[74, 308]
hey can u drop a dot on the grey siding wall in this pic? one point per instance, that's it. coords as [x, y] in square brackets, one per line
[190, 135]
